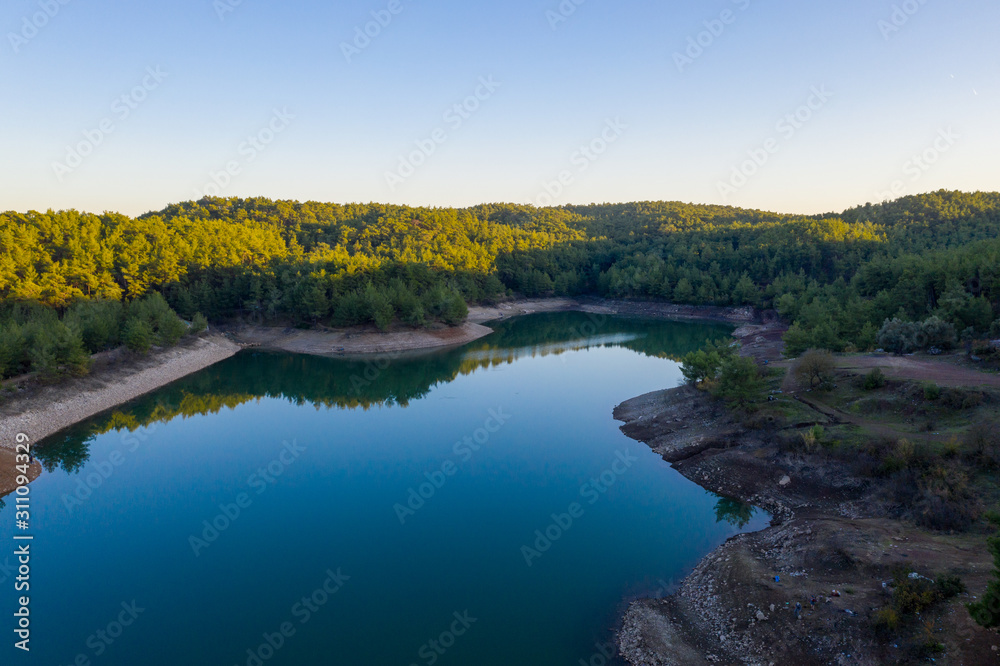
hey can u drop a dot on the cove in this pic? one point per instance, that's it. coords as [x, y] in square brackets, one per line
[470, 506]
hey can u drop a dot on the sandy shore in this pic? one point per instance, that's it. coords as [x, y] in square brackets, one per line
[334, 342]
[43, 411]
[651, 309]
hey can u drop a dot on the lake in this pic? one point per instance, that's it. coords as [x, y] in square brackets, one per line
[473, 506]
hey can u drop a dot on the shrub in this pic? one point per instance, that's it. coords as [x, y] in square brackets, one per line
[955, 398]
[897, 336]
[886, 621]
[198, 324]
[946, 501]
[813, 438]
[931, 391]
[986, 611]
[935, 332]
[875, 379]
[949, 585]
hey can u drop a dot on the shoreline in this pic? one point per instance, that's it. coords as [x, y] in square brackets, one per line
[830, 532]
[357, 341]
[45, 410]
[738, 316]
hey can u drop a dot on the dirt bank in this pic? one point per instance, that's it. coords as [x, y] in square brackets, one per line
[9, 471]
[39, 411]
[736, 316]
[366, 340]
[337, 342]
[829, 534]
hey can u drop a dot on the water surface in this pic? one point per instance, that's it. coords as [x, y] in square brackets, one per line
[475, 506]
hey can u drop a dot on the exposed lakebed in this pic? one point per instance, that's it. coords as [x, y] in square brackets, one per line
[471, 506]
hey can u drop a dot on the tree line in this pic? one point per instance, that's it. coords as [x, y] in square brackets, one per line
[73, 283]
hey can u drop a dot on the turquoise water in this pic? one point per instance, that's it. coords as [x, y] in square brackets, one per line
[475, 506]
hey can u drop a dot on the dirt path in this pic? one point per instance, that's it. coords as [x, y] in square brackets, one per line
[943, 371]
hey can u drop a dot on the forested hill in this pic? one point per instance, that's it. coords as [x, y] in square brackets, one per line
[838, 277]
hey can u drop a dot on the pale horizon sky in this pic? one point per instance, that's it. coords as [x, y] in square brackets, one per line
[128, 107]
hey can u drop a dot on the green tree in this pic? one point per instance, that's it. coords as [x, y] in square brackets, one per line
[740, 383]
[816, 366]
[986, 611]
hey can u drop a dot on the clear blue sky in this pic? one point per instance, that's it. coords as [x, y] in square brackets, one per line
[926, 85]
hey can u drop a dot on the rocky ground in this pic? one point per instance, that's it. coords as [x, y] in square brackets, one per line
[829, 541]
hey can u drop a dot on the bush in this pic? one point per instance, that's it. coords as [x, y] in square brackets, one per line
[198, 324]
[931, 391]
[986, 611]
[949, 585]
[886, 621]
[875, 379]
[946, 501]
[982, 443]
[897, 336]
[935, 332]
[955, 398]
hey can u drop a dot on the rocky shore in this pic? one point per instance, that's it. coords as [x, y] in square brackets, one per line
[830, 549]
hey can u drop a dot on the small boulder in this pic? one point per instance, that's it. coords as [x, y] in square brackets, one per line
[785, 481]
